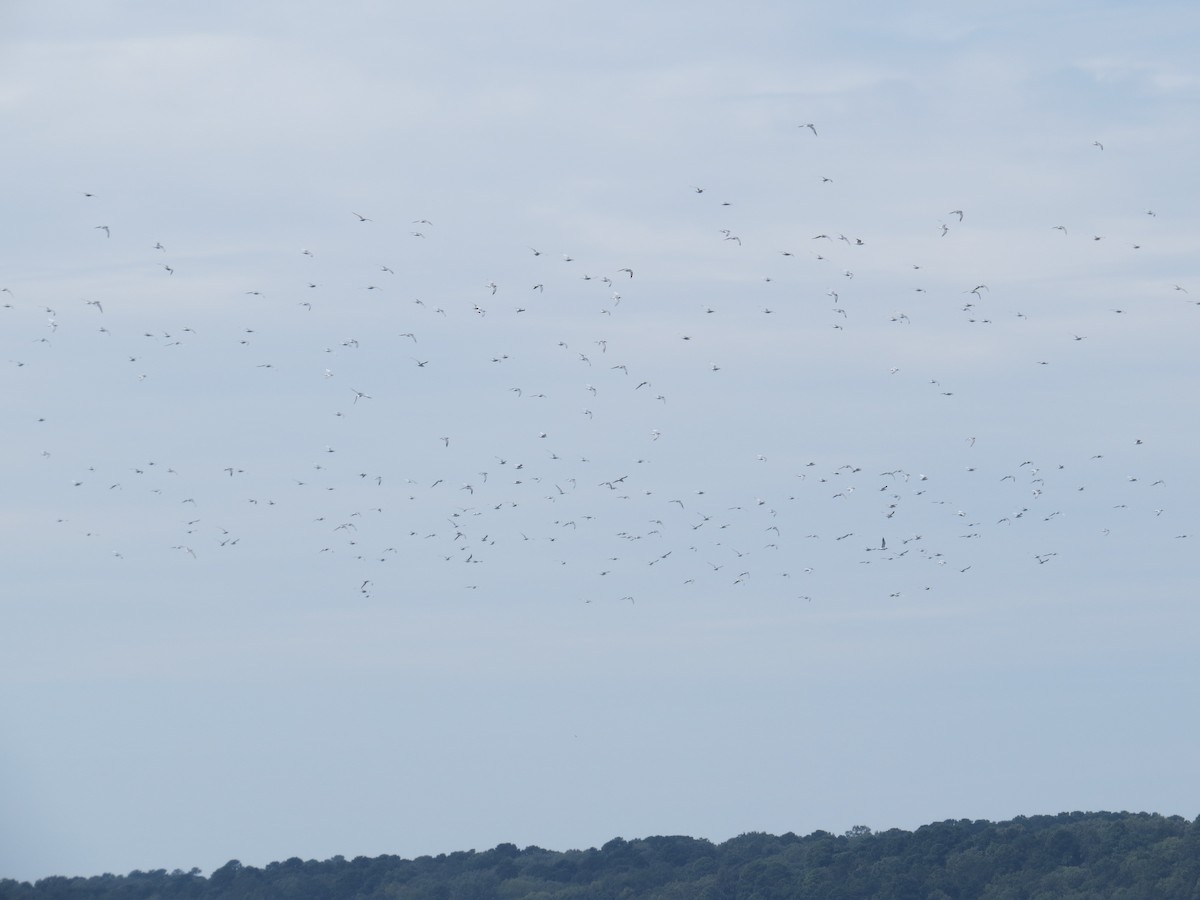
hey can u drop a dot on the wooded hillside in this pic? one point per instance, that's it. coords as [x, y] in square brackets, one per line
[1071, 855]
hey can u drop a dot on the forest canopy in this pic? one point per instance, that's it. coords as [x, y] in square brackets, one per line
[1070, 855]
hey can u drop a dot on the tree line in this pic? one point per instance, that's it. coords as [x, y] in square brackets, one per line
[1070, 855]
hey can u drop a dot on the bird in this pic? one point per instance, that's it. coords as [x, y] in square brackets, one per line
[104, 228]
[361, 217]
[811, 127]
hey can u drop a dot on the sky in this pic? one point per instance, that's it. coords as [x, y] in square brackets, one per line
[432, 426]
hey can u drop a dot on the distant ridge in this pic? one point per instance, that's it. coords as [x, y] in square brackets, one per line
[1070, 855]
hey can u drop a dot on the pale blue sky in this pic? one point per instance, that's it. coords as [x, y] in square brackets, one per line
[303, 570]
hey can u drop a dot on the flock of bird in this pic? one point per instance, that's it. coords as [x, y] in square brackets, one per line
[604, 430]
